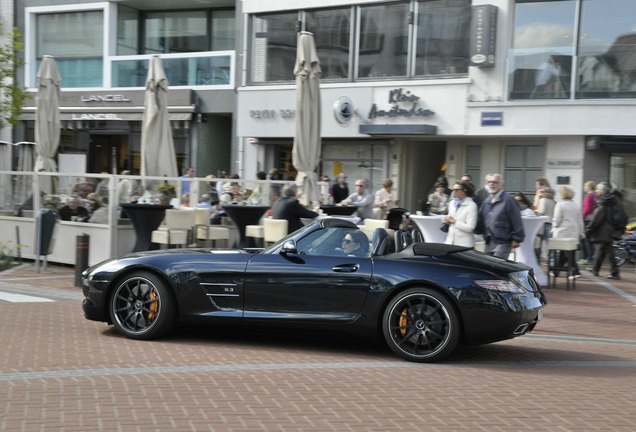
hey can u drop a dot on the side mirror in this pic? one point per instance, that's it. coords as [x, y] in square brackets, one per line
[289, 247]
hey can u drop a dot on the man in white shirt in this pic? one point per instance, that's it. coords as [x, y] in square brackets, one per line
[361, 199]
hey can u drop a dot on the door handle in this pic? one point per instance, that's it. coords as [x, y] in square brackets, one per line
[346, 268]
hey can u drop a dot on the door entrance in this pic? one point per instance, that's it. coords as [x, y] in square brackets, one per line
[108, 153]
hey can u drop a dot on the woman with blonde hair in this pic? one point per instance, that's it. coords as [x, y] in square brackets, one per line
[567, 223]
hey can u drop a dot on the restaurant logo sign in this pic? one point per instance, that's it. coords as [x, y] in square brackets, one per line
[403, 104]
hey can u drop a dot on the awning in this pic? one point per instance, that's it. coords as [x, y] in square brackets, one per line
[398, 129]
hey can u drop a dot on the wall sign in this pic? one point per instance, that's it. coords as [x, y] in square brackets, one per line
[483, 36]
[492, 118]
[403, 104]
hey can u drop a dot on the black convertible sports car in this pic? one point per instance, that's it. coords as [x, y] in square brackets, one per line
[423, 299]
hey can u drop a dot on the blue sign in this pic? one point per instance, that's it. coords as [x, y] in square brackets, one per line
[492, 118]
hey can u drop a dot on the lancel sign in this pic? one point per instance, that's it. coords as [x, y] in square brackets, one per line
[104, 98]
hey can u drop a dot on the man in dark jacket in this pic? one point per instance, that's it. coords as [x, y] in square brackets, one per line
[502, 219]
[288, 207]
[600, 230]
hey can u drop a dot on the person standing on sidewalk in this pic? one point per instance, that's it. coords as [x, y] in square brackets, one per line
[502, 219]
[567, 223]
[587, 209]
[600, 230]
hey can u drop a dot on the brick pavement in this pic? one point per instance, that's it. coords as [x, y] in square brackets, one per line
[576, 372]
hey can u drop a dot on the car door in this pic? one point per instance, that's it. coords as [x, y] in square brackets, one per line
[318, 288]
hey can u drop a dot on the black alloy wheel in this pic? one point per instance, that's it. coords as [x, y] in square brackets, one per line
[141, 307]
[421, 325]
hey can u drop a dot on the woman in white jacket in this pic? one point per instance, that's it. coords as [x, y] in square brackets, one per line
[567, 221]
[462, 216]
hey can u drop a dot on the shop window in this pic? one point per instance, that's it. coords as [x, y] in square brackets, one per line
[523, 164]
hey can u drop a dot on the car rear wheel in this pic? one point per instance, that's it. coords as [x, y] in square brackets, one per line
[142, 307]
[421, 325]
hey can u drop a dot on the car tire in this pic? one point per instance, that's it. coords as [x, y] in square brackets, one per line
[142, 307]
[421, 324]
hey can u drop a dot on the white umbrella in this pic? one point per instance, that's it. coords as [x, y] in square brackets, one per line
[6, 193]
[157, 147]
[26, 162]
[47, 115]
[306, 150]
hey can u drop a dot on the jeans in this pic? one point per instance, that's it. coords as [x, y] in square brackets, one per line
[603, 250]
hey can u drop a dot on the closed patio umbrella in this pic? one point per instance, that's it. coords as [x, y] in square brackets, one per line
[157, 146]
[306, 149]
[47, 117]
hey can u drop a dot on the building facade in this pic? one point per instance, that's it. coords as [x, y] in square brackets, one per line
[410, 89]
[415, 88]
[102, 51]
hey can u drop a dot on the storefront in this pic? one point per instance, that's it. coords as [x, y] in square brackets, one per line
[370, 132]
[101, 130]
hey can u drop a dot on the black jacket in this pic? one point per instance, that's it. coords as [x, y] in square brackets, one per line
[292, 210]
[600, 229]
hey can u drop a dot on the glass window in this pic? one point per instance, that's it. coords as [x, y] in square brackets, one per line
[524, 163]
[273, 47]
[127, 31]
[543, 48]
[222, 30]
[383, 46]
[607, 49]
[76, 40]
[443, 37]
[332, 32]
[473, 163]
[175, 32]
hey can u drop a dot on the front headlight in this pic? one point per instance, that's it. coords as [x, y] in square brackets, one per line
[500, 286]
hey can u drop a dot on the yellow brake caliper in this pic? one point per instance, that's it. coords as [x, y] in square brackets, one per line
[403, 322]
[154, 306]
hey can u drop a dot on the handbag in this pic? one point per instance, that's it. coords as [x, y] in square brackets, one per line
[444, 227]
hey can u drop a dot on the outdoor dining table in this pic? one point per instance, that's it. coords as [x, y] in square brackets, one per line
[429, 226]
[336, 210]
[145, 218]
[244, 215]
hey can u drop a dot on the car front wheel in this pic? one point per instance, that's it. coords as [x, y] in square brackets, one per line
[421, 325]
[142, 307]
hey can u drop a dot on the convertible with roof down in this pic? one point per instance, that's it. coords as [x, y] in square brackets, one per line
[423, 299]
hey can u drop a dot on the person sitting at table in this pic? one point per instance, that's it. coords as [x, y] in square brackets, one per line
[288, 207]
[74, 211]
[100, 215]
[355, 243]
[361, 199]
[384, 198]
[438, 200]
[256, 195]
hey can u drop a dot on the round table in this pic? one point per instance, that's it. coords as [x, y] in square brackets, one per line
[244, 215]
[525, 252]
[335, 210]
[145, 218]
[429, 226]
